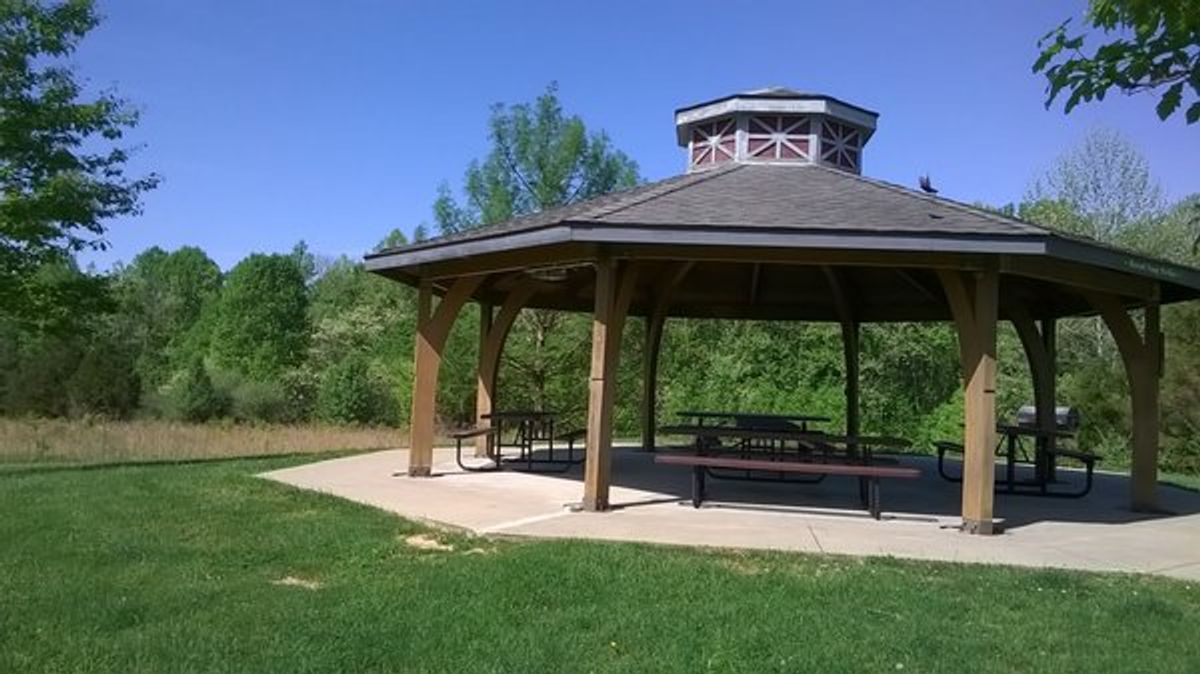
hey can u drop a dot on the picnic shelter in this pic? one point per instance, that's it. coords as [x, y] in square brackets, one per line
[773, 220]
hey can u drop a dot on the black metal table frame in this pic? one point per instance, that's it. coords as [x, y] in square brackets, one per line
[1044, 464]
[531, 427]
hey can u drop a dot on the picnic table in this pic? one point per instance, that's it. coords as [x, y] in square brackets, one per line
[521, 430]
[772, 443]
[1045, 455]
[754, 419]
[818, 455]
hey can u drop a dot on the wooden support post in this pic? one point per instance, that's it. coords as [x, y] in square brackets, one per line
[850, 351]
[433, 327]
[614, 291]
[1050, 382]
[1141, 353]
[484, 389]
[844, 305]
[973, 303]
[491, 348]
[655, 324]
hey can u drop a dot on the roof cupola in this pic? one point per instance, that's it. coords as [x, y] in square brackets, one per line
[774, 126]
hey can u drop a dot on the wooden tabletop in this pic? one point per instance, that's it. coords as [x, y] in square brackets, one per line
[782, 434]
[1031, 431]
[753, 415]
[519, 414]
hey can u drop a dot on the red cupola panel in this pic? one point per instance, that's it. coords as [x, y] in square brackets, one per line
[778, 137]
[714, 142]
[840, 144]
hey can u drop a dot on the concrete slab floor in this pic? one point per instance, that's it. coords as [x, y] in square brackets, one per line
[651, 503]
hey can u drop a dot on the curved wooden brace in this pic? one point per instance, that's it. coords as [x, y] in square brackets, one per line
[962, 309]
[491, 347]
[1142, 356]
[1038, 347]
[433, 327]
[1129, 340]
[655, 324]
[1041, 363]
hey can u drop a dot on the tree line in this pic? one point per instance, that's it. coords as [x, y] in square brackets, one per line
[296, 337]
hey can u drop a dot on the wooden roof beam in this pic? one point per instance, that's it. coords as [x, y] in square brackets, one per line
[1082, 277]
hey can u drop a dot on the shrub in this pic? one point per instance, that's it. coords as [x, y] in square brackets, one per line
[300, 387]
[104, 383]
[349, 393]
[192, 396]
[37, 384]
[259, 401]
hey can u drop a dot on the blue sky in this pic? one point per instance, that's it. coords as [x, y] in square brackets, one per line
[334, 122]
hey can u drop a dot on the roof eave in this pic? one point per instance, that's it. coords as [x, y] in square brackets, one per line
[1124, 261]
[605, 233]
[435, 251]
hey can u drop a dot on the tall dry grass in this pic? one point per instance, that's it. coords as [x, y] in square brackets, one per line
[86, 441]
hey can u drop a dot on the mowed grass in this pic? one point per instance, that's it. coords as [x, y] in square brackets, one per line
[205, 568]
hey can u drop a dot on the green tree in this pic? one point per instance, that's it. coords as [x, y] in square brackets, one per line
[261, 324]
[540, 158]
[1155, 46]
[1099, 189]
[349, 394]
[62, 174]
[393, 239]
[105, 381]
[162, 296]
[192, 395]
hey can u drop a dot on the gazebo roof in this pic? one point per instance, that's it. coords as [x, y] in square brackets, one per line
[784, 222]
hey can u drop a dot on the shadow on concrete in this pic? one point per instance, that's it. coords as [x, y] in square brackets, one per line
[928, 498]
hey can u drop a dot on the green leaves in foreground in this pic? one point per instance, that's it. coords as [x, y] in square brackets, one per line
[62, 172]
[1159, 46]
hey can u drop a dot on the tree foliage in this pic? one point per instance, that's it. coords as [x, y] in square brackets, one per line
[192, 395]
[261, 325]
[1155, 45]
[163, 296]
[1098, 189]
[62, 174]
[349, 393]
[540, 158]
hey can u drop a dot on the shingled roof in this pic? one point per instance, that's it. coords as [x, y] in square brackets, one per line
[781, 206]
[801, 198]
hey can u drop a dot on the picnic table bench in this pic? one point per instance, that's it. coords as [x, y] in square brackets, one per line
[869, 476]
[492, 432]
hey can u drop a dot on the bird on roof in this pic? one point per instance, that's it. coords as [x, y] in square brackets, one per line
[926, 185]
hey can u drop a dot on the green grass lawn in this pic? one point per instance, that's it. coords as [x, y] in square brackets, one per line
[177, 568]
